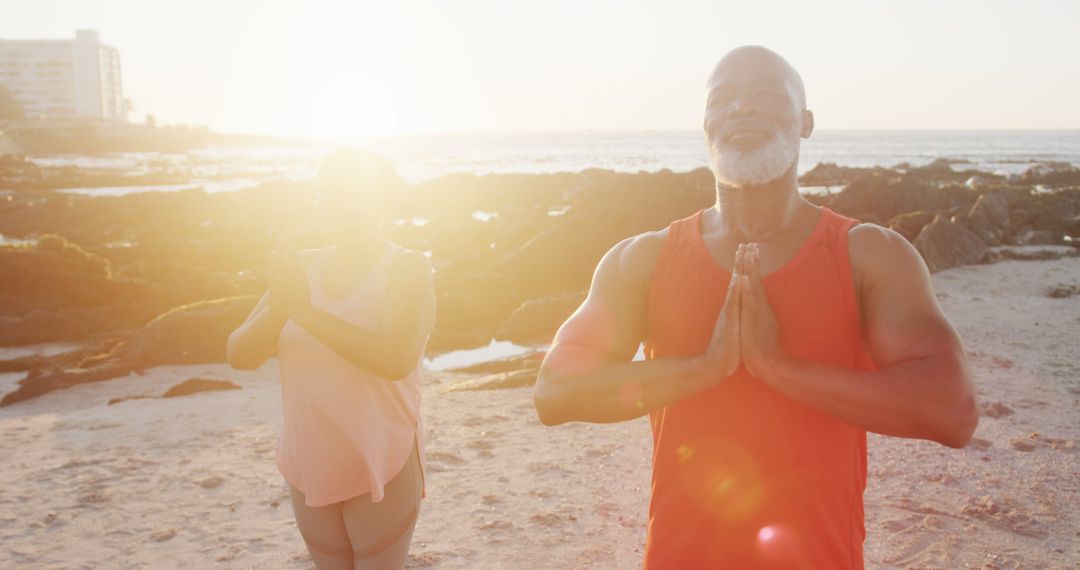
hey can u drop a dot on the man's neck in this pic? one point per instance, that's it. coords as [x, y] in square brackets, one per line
[756, 213]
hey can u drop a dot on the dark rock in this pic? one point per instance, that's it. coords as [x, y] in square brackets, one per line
[616, 207]
[139, 256]
[1042, 218]
[37, 383]
[538, 319]
[119, 399]
[979, 181]
[829, 174]
[189, 334]
[910, 224]
[995, 207]
[163, 535]
[22, 363]
[944, 244]
[938, 165]
[196, 385]
[988, 218]
[1063, 291]
[56, 290]
[185, 388]
[40, 326]
[473, 315]
[1036, 237]
[942, 172]
[880, 198]
[212, 482]
[995, 410]
[516, 225]
[55, 273]
[1051, 174]
[462, 238]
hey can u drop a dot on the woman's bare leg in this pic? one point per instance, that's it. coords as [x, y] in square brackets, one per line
[323, 531]
[380, 533]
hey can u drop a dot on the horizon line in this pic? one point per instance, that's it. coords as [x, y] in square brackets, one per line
[503, 132]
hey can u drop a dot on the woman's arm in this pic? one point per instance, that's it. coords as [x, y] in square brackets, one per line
[252, 343]
[408, 318]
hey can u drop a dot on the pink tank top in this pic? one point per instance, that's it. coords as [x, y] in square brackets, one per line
[346, 431]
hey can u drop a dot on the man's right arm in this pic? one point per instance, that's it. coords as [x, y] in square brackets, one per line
[588, 374]
[252, 343]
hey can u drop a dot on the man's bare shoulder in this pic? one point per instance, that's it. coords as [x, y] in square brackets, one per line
[635, 257]
[880, 255]
[871, 243]
[616, 306]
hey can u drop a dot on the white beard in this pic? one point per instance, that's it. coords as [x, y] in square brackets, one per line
[733, 167]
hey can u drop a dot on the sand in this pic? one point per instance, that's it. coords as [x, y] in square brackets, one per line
[191, 482]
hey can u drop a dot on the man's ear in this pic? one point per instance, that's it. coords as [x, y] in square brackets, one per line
[807, 123]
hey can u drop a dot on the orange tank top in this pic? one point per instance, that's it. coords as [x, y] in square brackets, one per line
[743, 476]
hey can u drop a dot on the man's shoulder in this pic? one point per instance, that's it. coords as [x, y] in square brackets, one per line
[647, 243]
[637, 255]
[877, 251]
[871, 240]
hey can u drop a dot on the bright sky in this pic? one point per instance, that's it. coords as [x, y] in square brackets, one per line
[358, 67]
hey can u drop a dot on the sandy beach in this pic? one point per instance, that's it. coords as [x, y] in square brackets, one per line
[470, 173]
[190, 482]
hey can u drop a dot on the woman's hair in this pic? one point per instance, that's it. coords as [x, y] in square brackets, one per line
[358, 170]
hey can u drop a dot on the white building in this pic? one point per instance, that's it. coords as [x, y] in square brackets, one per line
[64, 78]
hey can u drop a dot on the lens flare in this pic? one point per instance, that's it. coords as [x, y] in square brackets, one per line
[723, 479]
[781, 547]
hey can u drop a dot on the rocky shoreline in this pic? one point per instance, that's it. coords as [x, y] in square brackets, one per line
[157, 278]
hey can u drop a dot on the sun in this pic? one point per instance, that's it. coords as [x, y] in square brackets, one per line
[352, 105]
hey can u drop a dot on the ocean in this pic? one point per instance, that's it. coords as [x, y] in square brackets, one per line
[424, 157]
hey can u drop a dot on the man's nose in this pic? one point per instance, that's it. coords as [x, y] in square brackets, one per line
[742, 106]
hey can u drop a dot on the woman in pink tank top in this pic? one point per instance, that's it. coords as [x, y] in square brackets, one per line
[350, 323]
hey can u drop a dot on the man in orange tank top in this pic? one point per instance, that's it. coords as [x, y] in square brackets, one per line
[776, 334]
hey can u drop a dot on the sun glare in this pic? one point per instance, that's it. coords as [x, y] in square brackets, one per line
[351, 105]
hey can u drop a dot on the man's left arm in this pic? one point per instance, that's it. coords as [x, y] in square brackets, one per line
[922, 388]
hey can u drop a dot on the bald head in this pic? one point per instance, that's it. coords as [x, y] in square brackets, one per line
[755, 116]
[759, 60]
